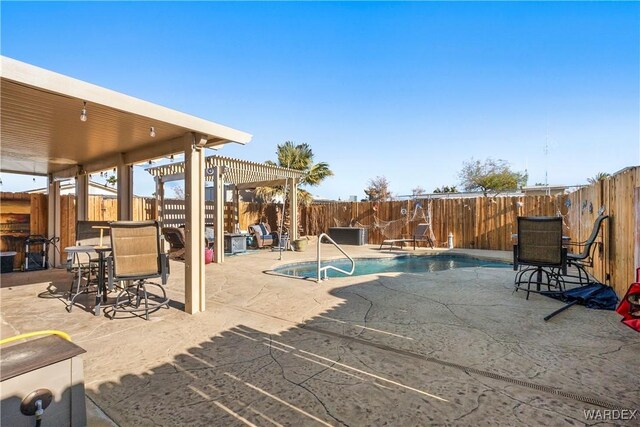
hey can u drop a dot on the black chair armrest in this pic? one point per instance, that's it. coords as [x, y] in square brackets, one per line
[575, 243]
[165, 270]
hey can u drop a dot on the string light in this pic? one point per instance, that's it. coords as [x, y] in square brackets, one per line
[83, 113]
[152, 132]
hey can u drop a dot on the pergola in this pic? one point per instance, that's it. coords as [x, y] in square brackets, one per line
[61, 127]
[242, 174]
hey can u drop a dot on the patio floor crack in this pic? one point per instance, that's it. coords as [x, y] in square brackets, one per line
[301, 385]
[446, 305]
[473, 409]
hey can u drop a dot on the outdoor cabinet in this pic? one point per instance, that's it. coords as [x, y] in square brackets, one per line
[349, 235]
[234, 243]
[49, 366]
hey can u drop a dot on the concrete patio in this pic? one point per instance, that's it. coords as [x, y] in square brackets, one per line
[452, 347]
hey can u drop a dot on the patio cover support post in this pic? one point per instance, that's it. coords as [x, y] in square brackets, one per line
[82, 197]
[293, 206]
[125, 192]
[218, 197]
[194, 281]
[53, 219]
[236, 208]
[159, 206]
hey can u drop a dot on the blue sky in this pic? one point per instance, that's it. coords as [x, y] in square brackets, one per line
[408, 91]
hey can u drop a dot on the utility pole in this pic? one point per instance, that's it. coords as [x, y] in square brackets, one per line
[546, 163]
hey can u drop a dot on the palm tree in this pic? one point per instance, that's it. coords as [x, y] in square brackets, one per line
[298, 157]
[600, 176]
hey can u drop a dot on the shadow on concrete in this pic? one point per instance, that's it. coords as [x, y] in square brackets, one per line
[371, 360]
[23, 278]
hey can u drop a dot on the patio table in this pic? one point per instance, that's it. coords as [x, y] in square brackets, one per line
[101, 251]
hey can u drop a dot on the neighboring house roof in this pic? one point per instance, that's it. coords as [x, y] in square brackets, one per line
[458, 195]
[69, 187]
[550, 189]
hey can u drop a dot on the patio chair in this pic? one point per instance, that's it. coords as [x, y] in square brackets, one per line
[136, 259]
[585, 257]
[540, 251]
[263, 235]
[421, 234]
[175, 237]
[84, 265]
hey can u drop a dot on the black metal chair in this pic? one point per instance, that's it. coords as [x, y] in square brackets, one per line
[175, 237]
[585, 257]
[84, 265]
[539, 250]
[136, 259]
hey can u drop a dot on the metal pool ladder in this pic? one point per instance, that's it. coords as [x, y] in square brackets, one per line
[323, 270]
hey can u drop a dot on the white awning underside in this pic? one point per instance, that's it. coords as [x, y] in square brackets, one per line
[41, 131]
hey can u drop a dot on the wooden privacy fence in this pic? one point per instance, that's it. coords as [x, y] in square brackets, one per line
[478, 223]
[247, 214]
[21, 215]
[100, 209]
[618, 250]
[489, 222]
[475, 223]
[33, 207]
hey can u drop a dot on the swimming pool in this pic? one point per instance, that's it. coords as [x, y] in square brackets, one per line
[401, 264]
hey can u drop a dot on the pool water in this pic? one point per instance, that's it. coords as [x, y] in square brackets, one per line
[402, 264]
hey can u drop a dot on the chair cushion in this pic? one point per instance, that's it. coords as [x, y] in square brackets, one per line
[263, 229]
[256, 229]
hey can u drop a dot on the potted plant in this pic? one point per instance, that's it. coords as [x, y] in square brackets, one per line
[300, 244]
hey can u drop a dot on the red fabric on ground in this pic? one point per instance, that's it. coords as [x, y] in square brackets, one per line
[624, 308]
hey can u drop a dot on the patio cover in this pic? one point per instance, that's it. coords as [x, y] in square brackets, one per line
[41, 134]
[242, 174]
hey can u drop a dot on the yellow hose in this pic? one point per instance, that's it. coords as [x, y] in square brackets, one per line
[35, 334]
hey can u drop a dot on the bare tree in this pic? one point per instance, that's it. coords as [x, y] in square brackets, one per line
[178, 192]
[378, 189]
[418, 191]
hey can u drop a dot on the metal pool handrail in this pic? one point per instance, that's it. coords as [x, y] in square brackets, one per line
[327, 267]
